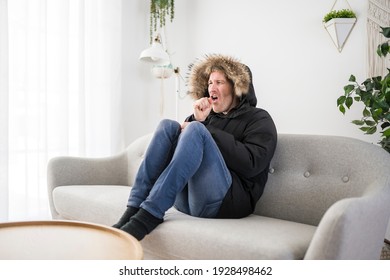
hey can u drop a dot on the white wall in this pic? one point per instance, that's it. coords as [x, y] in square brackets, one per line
[298, 72]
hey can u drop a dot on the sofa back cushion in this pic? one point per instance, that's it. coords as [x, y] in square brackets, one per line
[309, 173]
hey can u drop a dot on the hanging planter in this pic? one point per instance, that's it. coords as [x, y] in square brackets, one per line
[339, 24]
[160, 11]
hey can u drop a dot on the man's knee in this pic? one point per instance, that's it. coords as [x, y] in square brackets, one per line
[197, 129]
[170, 126]
[196, 126]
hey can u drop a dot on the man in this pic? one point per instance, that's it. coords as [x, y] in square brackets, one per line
[215, 164]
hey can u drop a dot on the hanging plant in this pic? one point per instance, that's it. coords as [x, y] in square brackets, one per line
[160, 11]
[339, 24]
[344, 13]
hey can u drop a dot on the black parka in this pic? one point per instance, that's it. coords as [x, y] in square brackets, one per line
[247, 138]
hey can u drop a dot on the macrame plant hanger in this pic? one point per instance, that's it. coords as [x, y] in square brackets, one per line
[378, 14]
[339, 29]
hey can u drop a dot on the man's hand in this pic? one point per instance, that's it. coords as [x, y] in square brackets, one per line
[202, 108]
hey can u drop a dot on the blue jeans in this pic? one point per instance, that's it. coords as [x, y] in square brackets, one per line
[184, 169]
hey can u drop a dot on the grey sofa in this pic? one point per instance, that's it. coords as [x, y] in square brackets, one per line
[327, 197]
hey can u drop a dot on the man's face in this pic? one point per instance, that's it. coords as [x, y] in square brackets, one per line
[221, 92]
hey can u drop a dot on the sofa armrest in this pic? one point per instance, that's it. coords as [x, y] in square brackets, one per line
[353, 228]
[65, 171]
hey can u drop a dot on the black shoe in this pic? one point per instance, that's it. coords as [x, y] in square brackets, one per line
[141, 224]
[130, 212]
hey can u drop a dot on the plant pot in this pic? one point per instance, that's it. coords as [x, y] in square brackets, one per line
[162, 71]
[339, 30]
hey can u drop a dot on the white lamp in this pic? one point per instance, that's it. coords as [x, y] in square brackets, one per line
[155, 53]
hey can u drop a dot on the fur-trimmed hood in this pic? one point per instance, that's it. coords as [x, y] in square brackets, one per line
[235, 71]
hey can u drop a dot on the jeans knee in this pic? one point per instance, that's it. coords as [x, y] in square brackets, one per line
[197, 130]
[196, 126]
[169, 126]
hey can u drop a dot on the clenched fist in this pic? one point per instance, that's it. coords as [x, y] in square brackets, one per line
[202, 108]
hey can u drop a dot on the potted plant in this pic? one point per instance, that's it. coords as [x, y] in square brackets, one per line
[374, 93]
[337, 14]
[339, 24]
[160, 11]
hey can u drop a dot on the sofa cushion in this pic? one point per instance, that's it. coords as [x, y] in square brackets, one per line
[253, 237]
[91, 203]
[256, 237]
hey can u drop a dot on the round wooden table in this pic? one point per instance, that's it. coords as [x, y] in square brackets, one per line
[66, 240]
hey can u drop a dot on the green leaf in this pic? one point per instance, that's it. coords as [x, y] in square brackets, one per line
[370, 85]
[385, 31]
[368, 80]
[342, 109]
[386, 133]
[379, 51]
[377, 81]
[364, 128]
[371, 130]
[348, 89]
[384, 105]
[357, 98]
[366, 112]
[367, 101]
[370, 123]
[383, 49]
[349, 102]
[341, 100]
[368, 129]
[364, 95]
[377, 113]
[352, 78]
[358, 122]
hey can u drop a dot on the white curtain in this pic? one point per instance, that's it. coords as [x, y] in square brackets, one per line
[60, 93]
[3, 110]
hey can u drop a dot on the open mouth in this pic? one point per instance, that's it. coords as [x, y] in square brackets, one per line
[213, 97]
